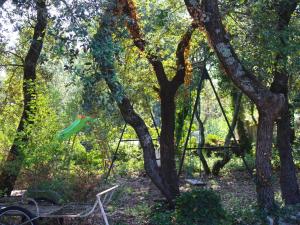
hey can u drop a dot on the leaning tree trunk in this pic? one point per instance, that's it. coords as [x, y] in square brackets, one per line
[236, 100]
[13, 163]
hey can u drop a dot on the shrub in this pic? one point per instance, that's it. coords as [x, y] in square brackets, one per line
[197, 207]
[200, 206]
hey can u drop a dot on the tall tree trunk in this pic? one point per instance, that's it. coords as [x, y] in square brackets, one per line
[13, 163]
[167, 145]
[236, 102]
[264, 189]
[288, 179]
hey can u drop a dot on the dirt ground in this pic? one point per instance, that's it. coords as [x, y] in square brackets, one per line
[136, 195]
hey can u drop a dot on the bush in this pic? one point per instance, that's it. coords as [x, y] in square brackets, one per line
[161, 215]
[197, 207]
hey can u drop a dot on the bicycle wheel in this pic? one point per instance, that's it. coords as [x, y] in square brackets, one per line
[15, 215]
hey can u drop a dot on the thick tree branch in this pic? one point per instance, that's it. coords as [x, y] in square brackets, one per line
[181, 57]
[207, 15]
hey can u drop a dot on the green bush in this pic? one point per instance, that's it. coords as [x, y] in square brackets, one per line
[197, 207]
[161, 215]
[200, 206]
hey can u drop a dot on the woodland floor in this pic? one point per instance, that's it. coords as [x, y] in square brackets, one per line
[137, 195]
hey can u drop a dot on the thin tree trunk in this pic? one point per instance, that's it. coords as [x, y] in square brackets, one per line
[245, 142]
[236, 100]
[252, 113]
[13, 163]
[201, 141]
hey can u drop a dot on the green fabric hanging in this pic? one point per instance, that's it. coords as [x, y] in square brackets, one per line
[74, 128]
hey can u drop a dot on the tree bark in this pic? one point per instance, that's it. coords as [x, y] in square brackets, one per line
[207, 16]
[264, 189]
[13, 163]
[236, 100]
[167, 145]
[288, 179]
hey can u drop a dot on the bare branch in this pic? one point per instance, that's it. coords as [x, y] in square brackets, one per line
[11, 65]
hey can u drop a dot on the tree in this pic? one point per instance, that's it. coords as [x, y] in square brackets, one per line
[164, 178]
[9, 175]
[207, 16]
[288, 179]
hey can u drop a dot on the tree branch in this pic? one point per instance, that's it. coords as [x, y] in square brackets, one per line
[181, 56]
[207, 15]
[132, 24]
[11, 65]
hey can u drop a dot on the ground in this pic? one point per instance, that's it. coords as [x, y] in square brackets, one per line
[136, 196]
